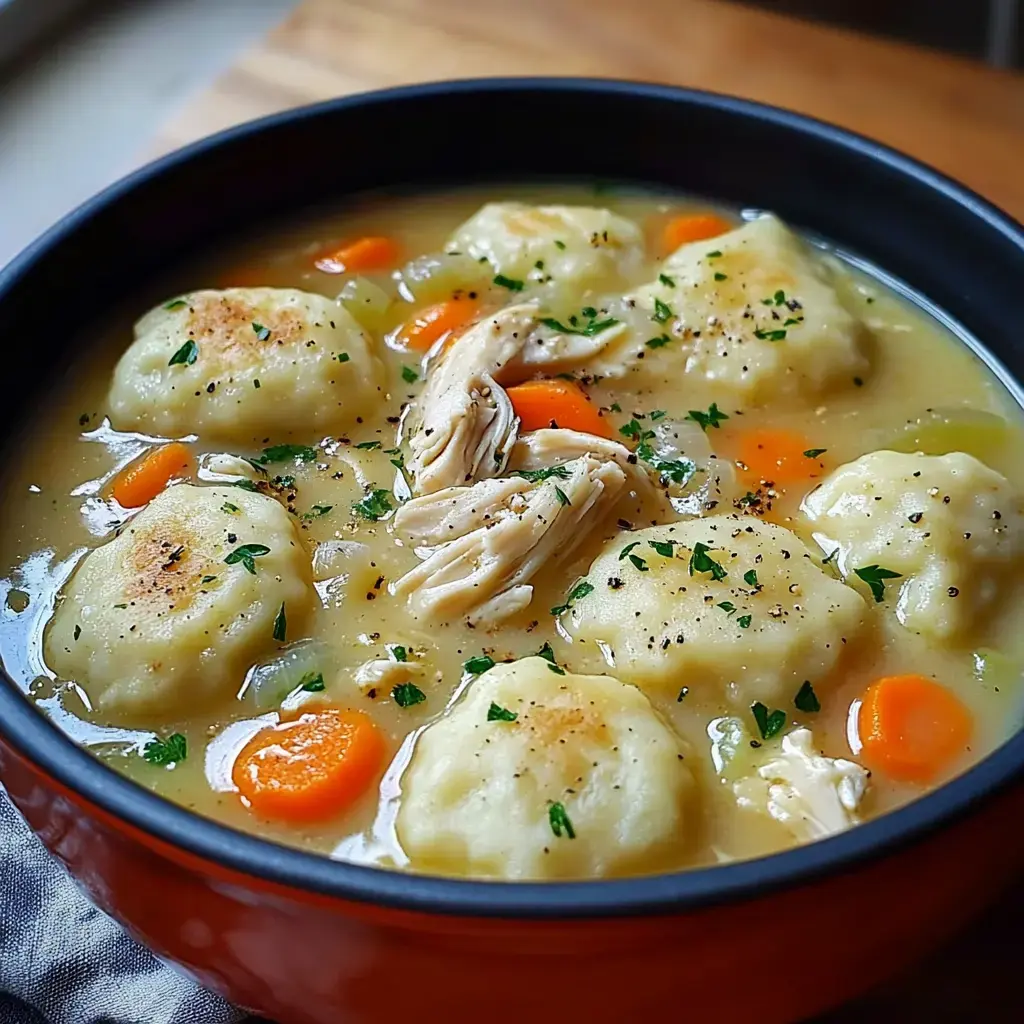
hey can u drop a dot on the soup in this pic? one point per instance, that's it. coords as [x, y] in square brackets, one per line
[555, 533]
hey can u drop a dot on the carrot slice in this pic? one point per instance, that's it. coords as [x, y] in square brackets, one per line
[692, 227]
[142, 480]
[779, 457]
[556, 403]
[311, 768]
[369, 253]
[433, 322]
[912, 728]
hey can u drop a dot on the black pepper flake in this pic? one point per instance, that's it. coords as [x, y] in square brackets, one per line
[916, 517]
[953, 592]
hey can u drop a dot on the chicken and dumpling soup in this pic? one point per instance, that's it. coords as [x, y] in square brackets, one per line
[555, 533]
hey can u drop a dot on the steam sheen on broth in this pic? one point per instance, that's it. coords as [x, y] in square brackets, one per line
[548, 533]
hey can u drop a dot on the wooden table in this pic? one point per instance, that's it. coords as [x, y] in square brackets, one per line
[963, 118]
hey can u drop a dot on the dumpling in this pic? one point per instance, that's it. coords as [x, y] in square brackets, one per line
[584, 781]
[751, 313]
[724, 602]
[166, 618]
[947, 525]
[244, 364]
[565, 248]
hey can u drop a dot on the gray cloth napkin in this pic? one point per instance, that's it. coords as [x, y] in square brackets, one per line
[62, 961]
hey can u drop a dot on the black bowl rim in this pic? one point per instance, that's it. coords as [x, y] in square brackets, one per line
[42, 744]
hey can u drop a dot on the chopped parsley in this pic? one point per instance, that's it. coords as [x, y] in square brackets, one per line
[228, 507]
[778, 334]
[496, 713]
[744, 621]
[813, 453]
[175, 304]
[262, 333]
[166, 752]
[186, 355]
[477, 666]
[633, 430]
[205, 579]
[578, 592]
[639, 563]
[312, 682]
[405, 695]
[281, 625]
[283, 452]
[712, 418]
[662, 312]
[667, 281]
[246, 485]
[659, 342]
[806, 699]
[678, 471]
[537, 475]
[663, 547]
[409, 375]
[399, 653]
[873, 576]
[768, 723]
[588, 330]
[629, 547]
[368, 446]
[658, 414]
[343, 357]
[547, 653]
[714, 254]
[375, 505]
[315, 513]
[559, 244]
[615, 407]
[557, 669]
[508, 282]
[563, 498]
[701, 561]
[246, 553]
[560, 821]
[750, 577]
[719, 276]
[728, 606]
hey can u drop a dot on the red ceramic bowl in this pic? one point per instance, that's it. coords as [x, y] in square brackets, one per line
[307, 940]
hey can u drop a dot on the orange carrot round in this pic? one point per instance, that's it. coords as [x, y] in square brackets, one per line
[142, 480]
[692, 227]
[912, 728]
[312, 768]
[370, 253]
[434, 322]
[559, 403]
[778, 456]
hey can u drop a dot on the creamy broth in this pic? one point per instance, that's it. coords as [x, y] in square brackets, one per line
[58, 506]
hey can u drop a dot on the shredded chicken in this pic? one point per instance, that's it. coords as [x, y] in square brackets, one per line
[383, 673]
[812, 795]
[464, 425]
[542, 449]
[482, 545]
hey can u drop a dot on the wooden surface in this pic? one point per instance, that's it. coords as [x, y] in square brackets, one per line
[963, 118]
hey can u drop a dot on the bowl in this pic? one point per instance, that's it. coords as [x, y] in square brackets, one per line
[308, 940]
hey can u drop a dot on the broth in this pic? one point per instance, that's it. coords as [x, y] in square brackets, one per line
[58, 506]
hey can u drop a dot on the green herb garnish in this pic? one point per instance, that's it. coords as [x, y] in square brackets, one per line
[281, 625]
[315, 513]
[478, 665]
[712, 418]
[806, 699]
[661, 312]
[496, 713]
[776, 335]
[563, 498]
[768, 723]
[658, 414]
[728, 606]
[750, 577]
[659, 342]
[873, 576]
[228, 507]
[312, 682]
[166, 752]
[246, 553]
[744, 621]
[719, 276]
[368, 446]
[343, 357]
[409, 375]
[701, 561]
[588, 330]
[639, 563]
[186, 355]
[283, 452]
[537, 475]
[175, 304]
[813, 453]
[399, 653]
[508, 282]
[262, 333]
[667, 281]
[663, 547]
[405, 695]
[560, 822]
[629, 547]
[678, 471]
[577, 593]
[375, 505]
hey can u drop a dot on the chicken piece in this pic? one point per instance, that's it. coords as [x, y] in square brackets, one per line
[464, 424]
[382, 673]
[483, 544]
[542, 449]
[811, 795]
